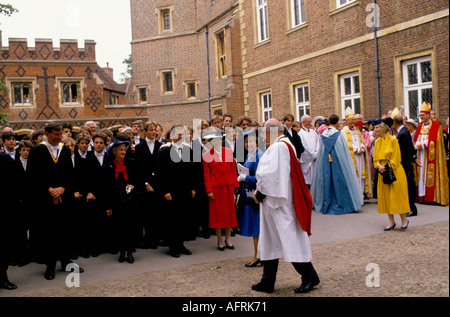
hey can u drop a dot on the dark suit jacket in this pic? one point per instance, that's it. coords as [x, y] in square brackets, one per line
[406, 148]
[94, 174]
[146, 161]
[296, 141]
[175, 176]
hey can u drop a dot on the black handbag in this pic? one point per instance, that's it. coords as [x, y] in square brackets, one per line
[389, 176]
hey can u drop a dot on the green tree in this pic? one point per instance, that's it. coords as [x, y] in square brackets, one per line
[5, 10]
[129, 62]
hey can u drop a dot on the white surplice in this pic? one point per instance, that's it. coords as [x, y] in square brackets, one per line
[311, 142]
[281, 235]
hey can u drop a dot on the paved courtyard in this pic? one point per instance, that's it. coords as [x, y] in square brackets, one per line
[346, 249]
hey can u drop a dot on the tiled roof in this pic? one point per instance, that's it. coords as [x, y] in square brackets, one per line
[109, 82]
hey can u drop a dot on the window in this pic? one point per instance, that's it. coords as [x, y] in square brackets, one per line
[266, 104]
[22, 94]
[166, 77]
[142, 94]
[221, 54]
[341, 3]
[301, 93]
[350, 92]
[168, 83]
[417, 85]
[70, 92]
[297, 12]
[262, 20]
[165, 19]
[191, 90]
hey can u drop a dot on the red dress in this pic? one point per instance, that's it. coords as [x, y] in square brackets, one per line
[221, 179]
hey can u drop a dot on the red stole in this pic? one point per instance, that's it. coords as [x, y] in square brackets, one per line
[431, 154]
[120, 168]
[302, 197]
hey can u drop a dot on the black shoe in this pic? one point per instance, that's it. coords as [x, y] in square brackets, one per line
[230, 247]
[404, 228]
[306, 287]
[174, 254]
[184, 250]
[8, 285]
[390, 228]
[130, 258]
[254, 264]
[263, 288]
[411, 214]
[49, 275]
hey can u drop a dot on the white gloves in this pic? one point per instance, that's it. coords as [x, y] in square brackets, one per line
[241, 178]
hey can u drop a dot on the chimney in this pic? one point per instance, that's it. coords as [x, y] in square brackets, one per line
[109, 70]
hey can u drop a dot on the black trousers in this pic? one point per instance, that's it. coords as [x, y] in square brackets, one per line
[306, 270]
[411, 189]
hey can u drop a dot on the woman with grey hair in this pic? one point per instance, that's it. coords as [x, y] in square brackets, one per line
[392, 198]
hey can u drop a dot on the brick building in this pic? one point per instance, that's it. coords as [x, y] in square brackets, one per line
[268, 58]
[171, 46]
[65, 84]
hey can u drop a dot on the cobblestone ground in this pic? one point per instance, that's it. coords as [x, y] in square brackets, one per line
[414, 263]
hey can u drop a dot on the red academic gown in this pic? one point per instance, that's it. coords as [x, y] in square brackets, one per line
[220, 179]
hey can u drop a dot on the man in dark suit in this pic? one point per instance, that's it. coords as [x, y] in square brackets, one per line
[200, 204]
[292, 135]
[6, 190]
[149, 212]
[174, 171]
[100, 229]
[49, 166]
[408, 158]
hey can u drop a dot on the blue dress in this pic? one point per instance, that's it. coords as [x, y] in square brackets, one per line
[250, 211]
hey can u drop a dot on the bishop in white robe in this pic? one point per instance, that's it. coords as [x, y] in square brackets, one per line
[281, 233]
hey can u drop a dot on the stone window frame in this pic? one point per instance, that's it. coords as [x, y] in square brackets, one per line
[161, 19]
[340, 74]
[336, 7]
[221, 52]
[163, 84]
[139, 93]
[11, 81]
[79, 81]
[187, 85]
[258, 36]
[261, 107]
[398, 76]
[295, 106]
[291, 15]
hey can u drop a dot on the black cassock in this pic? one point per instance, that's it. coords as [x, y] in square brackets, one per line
[52, 220]
[176, 176]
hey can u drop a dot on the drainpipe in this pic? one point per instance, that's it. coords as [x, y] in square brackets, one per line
[208, 68]
[377, 67]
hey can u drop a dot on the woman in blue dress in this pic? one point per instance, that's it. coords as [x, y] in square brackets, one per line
[249, 210]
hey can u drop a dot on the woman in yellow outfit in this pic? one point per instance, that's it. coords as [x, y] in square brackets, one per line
[392, 198]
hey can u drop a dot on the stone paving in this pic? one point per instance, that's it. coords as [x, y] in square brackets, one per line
[413, 263]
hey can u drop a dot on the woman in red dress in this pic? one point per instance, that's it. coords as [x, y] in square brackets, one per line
[220, 175]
